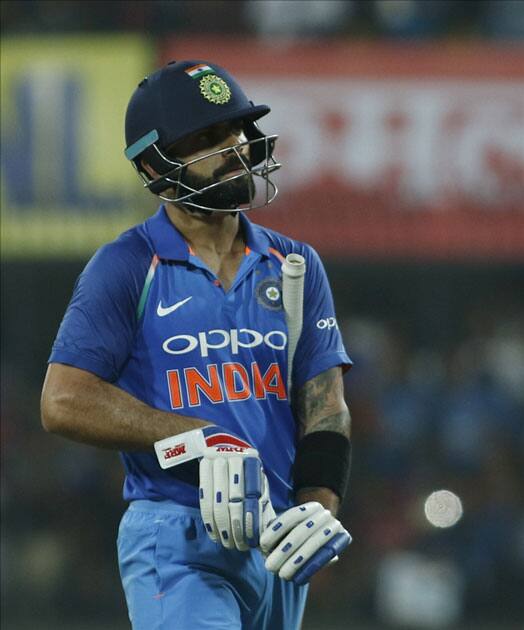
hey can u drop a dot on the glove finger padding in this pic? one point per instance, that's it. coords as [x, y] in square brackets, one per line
[326, 530]
[221, 502]
[236, 502]
[303, 540]
[206, 493]
[327, 554]
[268, 513]
[234, 497]
[297, 540]
[285, 523]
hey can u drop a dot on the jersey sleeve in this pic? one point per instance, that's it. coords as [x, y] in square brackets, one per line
[98, 328]
[320, 345]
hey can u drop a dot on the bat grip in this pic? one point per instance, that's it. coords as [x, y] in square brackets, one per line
[293, 270]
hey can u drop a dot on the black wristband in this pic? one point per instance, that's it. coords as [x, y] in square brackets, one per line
[323, 459]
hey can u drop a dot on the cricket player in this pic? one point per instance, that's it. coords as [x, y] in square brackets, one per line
[174, 351]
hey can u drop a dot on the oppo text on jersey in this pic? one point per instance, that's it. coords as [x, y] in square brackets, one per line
[218, 338]
[328, 322]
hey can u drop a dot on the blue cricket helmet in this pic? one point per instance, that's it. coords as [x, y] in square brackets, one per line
[178, 100]
[172, 102]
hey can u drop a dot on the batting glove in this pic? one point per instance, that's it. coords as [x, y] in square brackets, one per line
[234, 491]
[302, 540]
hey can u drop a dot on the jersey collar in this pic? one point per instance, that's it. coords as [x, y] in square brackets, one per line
[169, 243]
[256, 239]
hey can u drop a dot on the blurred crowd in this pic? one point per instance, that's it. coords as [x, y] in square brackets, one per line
[425, 418]
[428, 418]
[403, 19]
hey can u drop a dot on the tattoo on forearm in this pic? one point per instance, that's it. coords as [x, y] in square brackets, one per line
[320, 406]
[338, 422]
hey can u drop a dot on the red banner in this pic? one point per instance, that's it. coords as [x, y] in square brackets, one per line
[412, 151]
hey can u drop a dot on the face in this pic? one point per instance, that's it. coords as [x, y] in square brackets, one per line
[217, 167]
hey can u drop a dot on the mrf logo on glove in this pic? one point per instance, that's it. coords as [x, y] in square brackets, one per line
[178, 449]
[233, 489]
[224, 442]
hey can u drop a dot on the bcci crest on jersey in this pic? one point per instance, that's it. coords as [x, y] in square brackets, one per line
[269, 294]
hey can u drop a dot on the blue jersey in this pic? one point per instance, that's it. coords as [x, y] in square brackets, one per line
[150, 317]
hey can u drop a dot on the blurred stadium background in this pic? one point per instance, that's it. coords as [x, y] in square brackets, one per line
[401, 129]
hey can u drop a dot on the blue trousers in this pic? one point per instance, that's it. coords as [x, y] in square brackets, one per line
[176, 578]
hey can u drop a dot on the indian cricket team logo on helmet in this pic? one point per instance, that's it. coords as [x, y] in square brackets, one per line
[269, 294]
[215, 89]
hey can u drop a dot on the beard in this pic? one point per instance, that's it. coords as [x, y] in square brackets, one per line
[227, 195]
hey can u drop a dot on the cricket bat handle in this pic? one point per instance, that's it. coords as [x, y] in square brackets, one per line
[293, 272]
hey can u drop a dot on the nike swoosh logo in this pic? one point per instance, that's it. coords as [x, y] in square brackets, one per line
[162, 312]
